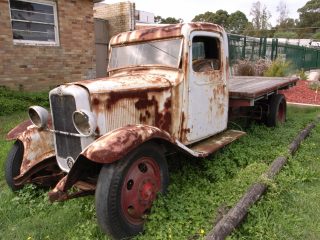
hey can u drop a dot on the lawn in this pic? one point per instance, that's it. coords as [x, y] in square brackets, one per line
[200, 191]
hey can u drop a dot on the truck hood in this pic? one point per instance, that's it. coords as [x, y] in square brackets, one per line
[129, 82]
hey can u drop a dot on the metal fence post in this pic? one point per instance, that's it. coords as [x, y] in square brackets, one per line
[244, 47]
[272, 49]
[264, 49]
[304, 58]
[276, 43]
[260, 47]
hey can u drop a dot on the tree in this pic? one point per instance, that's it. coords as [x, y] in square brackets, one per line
[168, 20]
[286, 29]
[221, 18]
[260, 20]
[237, 22]
[249, 30]
[283, 11]
[316, 36]
[157, 19]
[204, 17]
[309, 16]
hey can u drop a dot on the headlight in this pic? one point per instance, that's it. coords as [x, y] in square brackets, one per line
[85, 122]
[38, 116]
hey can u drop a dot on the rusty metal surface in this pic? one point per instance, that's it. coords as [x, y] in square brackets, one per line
[240, 103]
[15, 132]
[144, 96]
[167, 31]
[208, 87]
[130, 80]
[212, 144]
[38, 145]
[57, 194]
[117, 143]
[159, 96]
[51, 170]
[254, 87]
[81, 189]
[38, 153]
[48, 180]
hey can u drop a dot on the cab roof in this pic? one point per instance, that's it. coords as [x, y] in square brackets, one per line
[161, 32]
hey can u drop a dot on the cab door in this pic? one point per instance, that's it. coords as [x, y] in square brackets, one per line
[207, 92]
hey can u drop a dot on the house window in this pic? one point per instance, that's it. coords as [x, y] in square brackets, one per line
[34, 22]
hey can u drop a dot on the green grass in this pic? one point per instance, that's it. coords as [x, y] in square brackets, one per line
[200, 191]
[6, 124]
[12, 101]
[291, 209]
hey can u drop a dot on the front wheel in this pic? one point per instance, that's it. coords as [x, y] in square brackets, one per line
[126, 190]
[13, 164]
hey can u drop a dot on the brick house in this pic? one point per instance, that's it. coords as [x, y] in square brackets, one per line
[44, 43]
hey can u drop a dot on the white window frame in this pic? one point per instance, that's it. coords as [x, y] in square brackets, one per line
[56, 28]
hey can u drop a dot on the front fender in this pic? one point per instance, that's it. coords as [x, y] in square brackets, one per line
[119, 142]
[38, 145]
[107, 149]
[18, 130]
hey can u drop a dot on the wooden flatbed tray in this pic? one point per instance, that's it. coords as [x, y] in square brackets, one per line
[255, 87]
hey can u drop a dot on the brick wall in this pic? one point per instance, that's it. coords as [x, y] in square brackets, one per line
[43, 67]
[120, 16]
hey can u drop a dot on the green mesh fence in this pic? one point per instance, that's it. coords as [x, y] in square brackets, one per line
[244, 47]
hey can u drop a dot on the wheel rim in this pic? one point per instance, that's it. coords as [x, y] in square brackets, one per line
[281, 116]
[139, 189]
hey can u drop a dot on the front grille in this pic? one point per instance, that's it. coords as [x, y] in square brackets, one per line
[62, 110]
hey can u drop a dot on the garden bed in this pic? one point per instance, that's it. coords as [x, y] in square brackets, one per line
[302, 93]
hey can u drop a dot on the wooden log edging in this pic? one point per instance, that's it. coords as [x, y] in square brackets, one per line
[236, 214]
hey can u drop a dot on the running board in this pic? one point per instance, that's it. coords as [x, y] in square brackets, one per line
[212, 144]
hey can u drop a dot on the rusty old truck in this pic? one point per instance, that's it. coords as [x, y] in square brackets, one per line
[168, 90]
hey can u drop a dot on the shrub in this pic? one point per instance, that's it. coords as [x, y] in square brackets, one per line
[12, 101]
[316, 36]
[243, 68]
[278, 68]
[261, 66]
[250, 68]
[285, 35]
[315, 86]
[302, 74]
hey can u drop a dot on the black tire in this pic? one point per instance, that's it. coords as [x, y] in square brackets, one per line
[115, 185]
[13, 164]
[277, 110]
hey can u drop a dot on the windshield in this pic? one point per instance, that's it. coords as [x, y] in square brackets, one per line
[164, 52]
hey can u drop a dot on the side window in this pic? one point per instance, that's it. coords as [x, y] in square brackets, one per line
[205, 54]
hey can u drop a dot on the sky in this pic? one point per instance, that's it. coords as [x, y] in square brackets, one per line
[187, 9]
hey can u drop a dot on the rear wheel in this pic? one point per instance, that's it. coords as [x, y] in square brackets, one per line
[126, 190]
[13, 164]
[277, 110]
